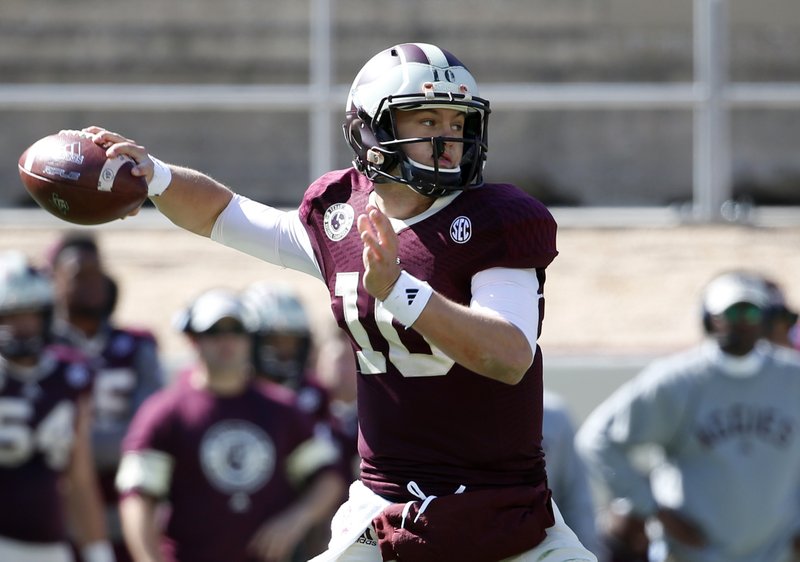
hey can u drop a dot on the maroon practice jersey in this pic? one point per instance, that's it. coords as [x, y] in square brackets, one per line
[421, 416]
[127, 370]
[231, 470]
[38, 416]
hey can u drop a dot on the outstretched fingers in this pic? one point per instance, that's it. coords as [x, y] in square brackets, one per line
[119, 145]
[380, 252]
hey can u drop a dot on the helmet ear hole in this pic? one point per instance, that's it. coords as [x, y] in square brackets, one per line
[352, 133]
[384, 129]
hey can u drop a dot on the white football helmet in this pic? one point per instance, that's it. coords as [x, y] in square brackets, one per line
[22, 289]
[410, 76]
[282, 338]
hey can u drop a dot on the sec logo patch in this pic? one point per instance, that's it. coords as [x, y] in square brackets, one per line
[461, 230]
[338, 221]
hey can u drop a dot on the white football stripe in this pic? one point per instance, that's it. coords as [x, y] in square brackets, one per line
[31, 156]
[434, 54]
[109, 172]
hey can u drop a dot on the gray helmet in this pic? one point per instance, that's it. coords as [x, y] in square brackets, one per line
[21, 286]
[23, 289]
[280, 314]
[412, 76]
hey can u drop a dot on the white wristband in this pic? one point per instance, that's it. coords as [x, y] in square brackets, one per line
[407, 299]
[162, 176]
[100, 551]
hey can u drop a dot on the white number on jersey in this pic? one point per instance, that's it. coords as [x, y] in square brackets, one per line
[373, 362]
[112, 389]
[19, 441]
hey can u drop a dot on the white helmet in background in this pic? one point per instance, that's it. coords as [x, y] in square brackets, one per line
[22, 289]
[282, 337]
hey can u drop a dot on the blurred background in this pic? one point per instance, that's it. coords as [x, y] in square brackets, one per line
[664, 136]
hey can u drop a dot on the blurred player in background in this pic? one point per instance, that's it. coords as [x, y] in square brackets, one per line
[725, 416]
[336, 371]
[237, 463]
[125, 360]
[566, 473]
[781, 320]
[283, 353]
[438, 279]
[283, 344]
[47, 480]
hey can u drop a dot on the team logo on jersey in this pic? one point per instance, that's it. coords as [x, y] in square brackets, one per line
[461, 230]
[237, 457]
[338, 221]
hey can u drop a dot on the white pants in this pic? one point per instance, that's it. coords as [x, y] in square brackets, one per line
[356, 514]
[18, 551]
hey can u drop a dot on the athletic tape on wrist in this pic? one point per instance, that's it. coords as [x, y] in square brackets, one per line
[162, 176]
[407, 299]
[100, 551]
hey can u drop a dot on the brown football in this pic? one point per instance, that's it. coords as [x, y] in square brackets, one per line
[69, 175]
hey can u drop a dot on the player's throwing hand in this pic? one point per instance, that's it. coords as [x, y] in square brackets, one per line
[380, 252]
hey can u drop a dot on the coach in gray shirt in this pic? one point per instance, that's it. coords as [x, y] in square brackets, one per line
[726, 416]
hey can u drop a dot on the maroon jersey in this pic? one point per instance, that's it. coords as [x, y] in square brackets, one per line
[38, 413]
[421, 416]
[127, 370]
[232, 463]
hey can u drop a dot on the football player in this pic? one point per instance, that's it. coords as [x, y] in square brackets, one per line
[438, 278]
[242, 470]
[47, 479]
[283, 342]
[125, 360]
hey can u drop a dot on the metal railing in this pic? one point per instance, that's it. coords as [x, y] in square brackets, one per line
[709, 96]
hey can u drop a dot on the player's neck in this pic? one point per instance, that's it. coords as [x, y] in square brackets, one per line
[228, 383]
[399, 201]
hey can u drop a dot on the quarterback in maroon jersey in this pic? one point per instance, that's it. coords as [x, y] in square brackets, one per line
[47, 481]
[438, 278]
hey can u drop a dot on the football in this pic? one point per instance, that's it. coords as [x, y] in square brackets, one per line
[69, 175]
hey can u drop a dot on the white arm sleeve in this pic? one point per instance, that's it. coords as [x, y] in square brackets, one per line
[512, 294]
[266, 233]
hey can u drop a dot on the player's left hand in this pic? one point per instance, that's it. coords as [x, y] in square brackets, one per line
[380, 252]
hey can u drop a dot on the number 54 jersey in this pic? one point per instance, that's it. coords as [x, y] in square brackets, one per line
[423, 417]
[38, 413]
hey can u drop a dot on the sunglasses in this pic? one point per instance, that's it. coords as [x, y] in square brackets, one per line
[744, 314]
